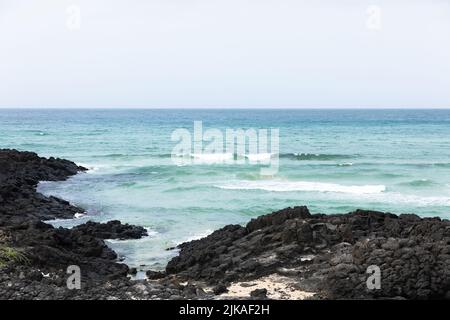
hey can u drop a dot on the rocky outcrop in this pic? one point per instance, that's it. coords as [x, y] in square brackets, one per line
[111, 230]
[20, 172]
[34, 256]
[22, 210]
[328, 254]
[22, 168]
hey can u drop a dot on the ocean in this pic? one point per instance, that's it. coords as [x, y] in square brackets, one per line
[333, 161]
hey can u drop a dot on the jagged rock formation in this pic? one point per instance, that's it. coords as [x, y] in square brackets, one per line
[328, 254]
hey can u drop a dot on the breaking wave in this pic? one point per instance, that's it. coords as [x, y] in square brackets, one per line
[307, 186]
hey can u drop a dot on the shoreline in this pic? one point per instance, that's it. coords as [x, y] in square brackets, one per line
[35, 256]
[286, 254]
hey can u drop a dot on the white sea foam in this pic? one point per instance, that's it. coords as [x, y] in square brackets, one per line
[197, 236]
[259, 157]
[345, 164]
[212, 157]
[90, 167]
[151, 232]
[410, 199]
[328, 191]
[309, 186]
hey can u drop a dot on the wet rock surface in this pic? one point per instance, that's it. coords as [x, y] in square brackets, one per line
[328, 255]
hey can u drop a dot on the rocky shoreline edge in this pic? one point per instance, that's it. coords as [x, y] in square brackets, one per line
[289, 254]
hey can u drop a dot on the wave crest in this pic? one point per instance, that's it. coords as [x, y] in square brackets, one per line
[314, 156]
[307, 186]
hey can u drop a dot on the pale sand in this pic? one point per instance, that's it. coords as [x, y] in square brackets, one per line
[278, 288]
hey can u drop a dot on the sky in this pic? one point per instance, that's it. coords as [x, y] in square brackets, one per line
[225, 53]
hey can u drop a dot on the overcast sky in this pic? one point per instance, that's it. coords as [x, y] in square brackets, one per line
[225, 53]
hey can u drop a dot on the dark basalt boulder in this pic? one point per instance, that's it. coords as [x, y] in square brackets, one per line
[220, 288]
[111, 230]
[259, 293]
[278, 217]
[154, 275]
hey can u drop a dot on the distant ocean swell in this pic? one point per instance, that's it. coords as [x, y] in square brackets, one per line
[226, 155]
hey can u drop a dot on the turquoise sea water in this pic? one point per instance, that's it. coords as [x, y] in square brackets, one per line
[334, 161]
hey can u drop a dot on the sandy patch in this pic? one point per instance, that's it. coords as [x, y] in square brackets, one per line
[278, 288]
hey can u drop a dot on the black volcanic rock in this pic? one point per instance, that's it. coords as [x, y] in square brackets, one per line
[43, 253]
[259, 293]
[111, 230]
[20, 172]
[154, 275]
[27, 168]
[278, 217]
[330, 254]
[46, 247]
[220, 288]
